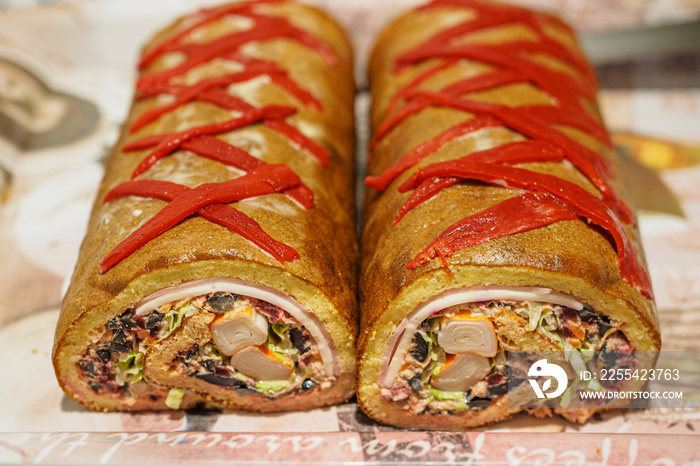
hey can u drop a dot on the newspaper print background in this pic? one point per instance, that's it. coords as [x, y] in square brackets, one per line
[71, 65]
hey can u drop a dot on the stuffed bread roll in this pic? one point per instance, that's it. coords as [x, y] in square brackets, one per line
[219, 263]
[495, 221]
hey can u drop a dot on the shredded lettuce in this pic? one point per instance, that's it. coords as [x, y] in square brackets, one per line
[555, 337]
[428, 337]
[240, 376]
[282, 345]
[210, 350]
[173, 318]
[445, 396]
[566, 397]
[534, 314]
[174, 398]
[271, 386]
[279, 329]
[129, 369]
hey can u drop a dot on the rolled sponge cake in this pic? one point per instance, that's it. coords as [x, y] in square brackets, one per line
[219, 265]
[494, 195]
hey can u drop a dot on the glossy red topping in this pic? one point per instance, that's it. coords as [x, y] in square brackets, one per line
[210, 200]
[548, 199]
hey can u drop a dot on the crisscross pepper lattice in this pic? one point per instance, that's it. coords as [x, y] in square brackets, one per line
[211, 200]
[547, 199]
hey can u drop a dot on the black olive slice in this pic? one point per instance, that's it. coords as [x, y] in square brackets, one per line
[242, 391]
[104, 355]
[119, 336]
[587, 315]
[494, 391]
[414, 382]
[219, 380]
[477, 404]
[152, 320]
[89, 368]
[114, 324]
[298, 339]
[420, 348]
[307, 384]
[221, 302]
[127, 319]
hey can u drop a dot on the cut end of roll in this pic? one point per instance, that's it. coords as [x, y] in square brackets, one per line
[226, 343]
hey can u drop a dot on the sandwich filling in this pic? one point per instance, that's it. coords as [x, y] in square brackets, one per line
[447, 359]
[254, 346]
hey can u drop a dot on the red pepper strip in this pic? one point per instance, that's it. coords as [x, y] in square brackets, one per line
[558, 83]
[417, 81]
[516, 152]
[503, 219]
[221, 214]
[536, 22]
[185, 94]
[568, 194]
[281, 78]
[266, 28]
[208, 15]
[225, 100]
[423, 192]
[426, 148]
[198, 54]
[485, 81]
[304, 96]
[264, 180]
[170, 142]
[578, 120]
[546, 113]
[595, 167]
[500, 9]
[297, 137]
[243, 9]
[273, 111]
[316, 44]
[478, 83]
[216, 149]
[419, 101]
[302, 195]
[230, 102]
[510, 153]
[411, 107]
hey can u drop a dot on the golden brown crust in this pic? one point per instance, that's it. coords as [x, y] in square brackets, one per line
[571, 257]
[323, 278]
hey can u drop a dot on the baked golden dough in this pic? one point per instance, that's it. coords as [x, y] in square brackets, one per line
[322, 279]
[573, 258]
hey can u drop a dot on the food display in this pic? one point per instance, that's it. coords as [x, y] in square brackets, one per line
[219, 264]
[495, 220]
